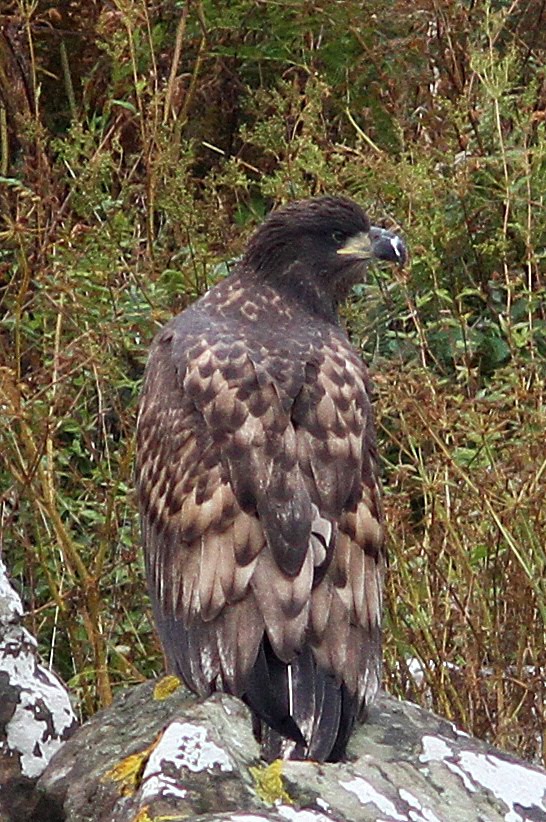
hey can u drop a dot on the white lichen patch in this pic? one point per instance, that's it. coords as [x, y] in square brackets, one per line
[247, 817]
[322, 804]
[459, 732]
[11, 608]
[43, 715]
[161, 785]
[367, 794]
[197, 751]
[294, 815]
[182, 746]
[512, 783]
[435, 749]
[518, 786]
[419, 812]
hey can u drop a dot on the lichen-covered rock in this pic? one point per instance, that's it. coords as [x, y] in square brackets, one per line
[159, 753]
[147, 754]
[36, 716]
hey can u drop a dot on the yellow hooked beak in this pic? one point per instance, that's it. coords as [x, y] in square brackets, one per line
[377, 243]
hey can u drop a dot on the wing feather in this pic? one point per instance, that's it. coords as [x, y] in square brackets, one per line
[237, 657]
[337, 453]
[209, 575]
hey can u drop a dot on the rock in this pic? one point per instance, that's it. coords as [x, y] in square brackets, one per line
[36, 716]
[160, 753]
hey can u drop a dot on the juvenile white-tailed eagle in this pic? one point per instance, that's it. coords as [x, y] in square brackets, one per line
[257, 483]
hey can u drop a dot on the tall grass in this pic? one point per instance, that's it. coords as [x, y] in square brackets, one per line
[140, 143]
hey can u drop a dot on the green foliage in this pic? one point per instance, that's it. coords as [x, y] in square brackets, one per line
[139, 145]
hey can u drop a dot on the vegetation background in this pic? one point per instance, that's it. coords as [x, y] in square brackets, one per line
[140, 144]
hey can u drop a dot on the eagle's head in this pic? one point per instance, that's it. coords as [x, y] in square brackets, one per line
[316, 249]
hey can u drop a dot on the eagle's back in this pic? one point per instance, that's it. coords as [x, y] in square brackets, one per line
[261, 513]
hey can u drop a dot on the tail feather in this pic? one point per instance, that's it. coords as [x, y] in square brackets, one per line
[300, 711]
[349, 711]
[312, 719]
[267, 695]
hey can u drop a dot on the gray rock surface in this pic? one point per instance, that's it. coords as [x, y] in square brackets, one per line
[36, 716]
[152, 756]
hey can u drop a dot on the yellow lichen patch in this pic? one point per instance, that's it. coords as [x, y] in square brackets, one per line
[129, 770]
[166, 686]
[179, 817]
[269, 783]
[144, 816]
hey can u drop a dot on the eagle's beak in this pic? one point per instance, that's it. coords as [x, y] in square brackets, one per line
[377, 243]
[386, 245]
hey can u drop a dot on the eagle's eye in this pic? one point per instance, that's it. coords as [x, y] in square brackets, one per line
[338, 237]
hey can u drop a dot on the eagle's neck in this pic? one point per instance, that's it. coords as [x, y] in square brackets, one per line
[298, 288]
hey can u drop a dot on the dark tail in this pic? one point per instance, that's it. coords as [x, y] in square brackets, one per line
[300, 712]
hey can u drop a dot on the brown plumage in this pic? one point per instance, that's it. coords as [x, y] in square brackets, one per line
[257, 483]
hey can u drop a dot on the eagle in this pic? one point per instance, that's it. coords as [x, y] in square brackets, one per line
[258, 489]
